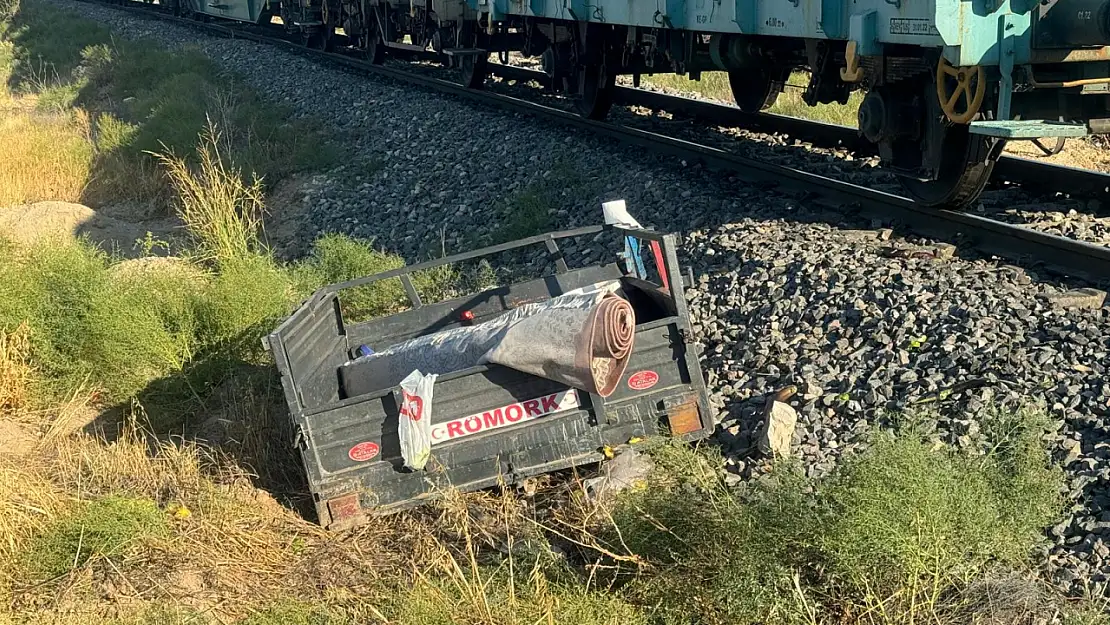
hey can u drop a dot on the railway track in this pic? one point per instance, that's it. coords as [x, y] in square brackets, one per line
[1041, 177]
[1013, 242]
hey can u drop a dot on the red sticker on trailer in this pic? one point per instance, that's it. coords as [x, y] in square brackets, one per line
[642, 380]
[364, 451]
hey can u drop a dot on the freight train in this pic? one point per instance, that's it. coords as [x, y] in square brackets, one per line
[947, 82]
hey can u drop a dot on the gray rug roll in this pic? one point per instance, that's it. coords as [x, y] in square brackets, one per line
[582, 339]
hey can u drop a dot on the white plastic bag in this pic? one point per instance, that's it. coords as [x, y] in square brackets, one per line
[414, 426]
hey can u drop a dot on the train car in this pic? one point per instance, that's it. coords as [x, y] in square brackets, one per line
[947, 82]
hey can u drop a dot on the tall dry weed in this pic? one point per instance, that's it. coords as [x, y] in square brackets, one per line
[29, 501]
[222, 211]
[15, 368]
[43, 156]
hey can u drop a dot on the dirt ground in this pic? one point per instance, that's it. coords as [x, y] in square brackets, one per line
[1079, 153]
[127, 229]
[50, 220]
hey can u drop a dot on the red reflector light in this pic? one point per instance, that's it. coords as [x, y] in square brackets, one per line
[344, 508]
[683, 416]
[467, 316]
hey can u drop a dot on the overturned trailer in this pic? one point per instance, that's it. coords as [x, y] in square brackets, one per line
[491, 422]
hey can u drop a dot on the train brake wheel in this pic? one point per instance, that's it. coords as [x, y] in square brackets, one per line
[595, 92]
[475, 70]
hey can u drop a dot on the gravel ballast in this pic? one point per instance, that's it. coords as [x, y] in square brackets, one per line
[784, 291]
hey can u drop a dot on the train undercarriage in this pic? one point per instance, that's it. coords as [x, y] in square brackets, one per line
[931, 122]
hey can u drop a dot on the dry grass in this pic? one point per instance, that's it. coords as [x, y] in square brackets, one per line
[715, 86]
[43, 156]
[222, 550]
[247, 546]
[29, 501]
[15, 368]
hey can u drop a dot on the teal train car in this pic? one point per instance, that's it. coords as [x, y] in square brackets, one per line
[947, 82]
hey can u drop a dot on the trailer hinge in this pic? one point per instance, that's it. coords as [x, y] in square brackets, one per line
[299, 438]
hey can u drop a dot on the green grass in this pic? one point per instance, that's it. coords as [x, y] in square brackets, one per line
[293, 612]
[142, 99]
[115, 327]
[337, 258]
[110, 527]
[715, 85]
[894, 536]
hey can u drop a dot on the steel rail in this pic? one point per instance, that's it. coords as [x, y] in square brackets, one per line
[1018, 243]
[1028, 173]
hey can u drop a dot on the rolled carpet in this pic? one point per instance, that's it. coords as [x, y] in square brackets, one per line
[583, 348]
[582, 339]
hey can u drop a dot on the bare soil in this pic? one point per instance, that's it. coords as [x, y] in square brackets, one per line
[52, 220]
[16, 440]
[1077, 153]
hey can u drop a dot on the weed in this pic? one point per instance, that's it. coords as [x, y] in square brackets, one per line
[108, 527]
[15, 368]
[530, 210]
[892, 537]
[43, 156]
[907, 523]
[715, 85]
[47, 45]
[293, 612]
[223, 213]
[528, 213]
[144, 99]
[246, 293]
[82, 322]
[8, 9]
[457, 583]
[338, 258]
[449, 591]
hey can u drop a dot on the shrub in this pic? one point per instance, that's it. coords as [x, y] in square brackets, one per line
[338, 258]
[85, 325]
[893, 536]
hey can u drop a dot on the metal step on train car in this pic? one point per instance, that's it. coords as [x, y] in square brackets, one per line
[947, 82]
[489, 423]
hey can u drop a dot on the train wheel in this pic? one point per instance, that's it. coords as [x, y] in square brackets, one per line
[312, 38]
[375, 49]
[755, 89]
[475, 70]
[965, 168]
[963, 161]
[595, 92]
